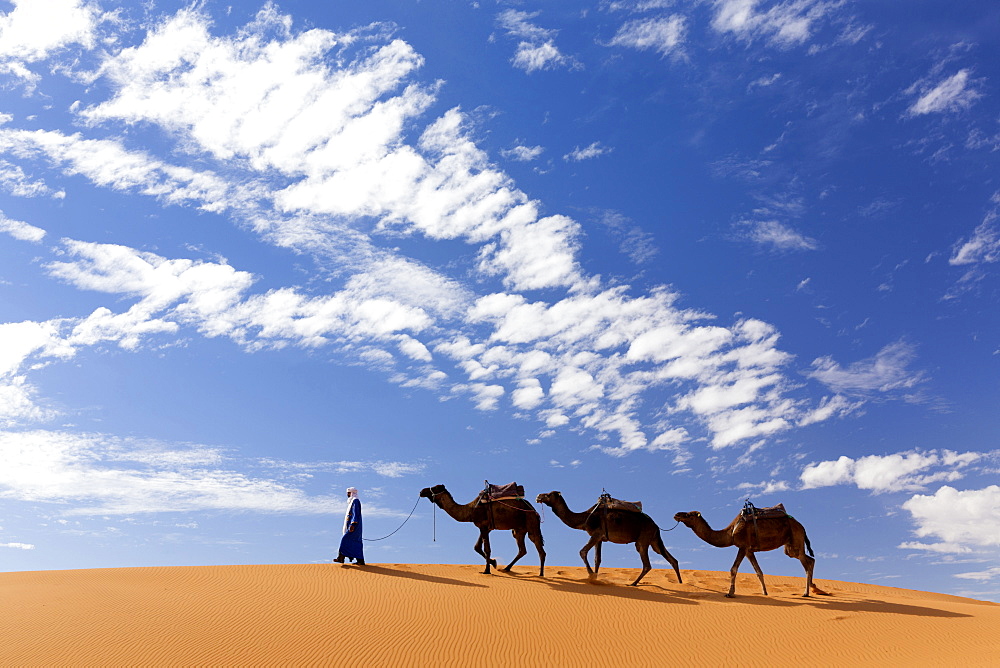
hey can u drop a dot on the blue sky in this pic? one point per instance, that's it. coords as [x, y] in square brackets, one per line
[688, 252]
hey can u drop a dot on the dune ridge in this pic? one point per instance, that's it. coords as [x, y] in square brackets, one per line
[448, 615]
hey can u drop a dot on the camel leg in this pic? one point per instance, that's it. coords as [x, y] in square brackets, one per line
[734, 570]
[484, 539]
[521, 549]
[809, 563]
[586, 548]
[479, 549]
[597, 556]
[661, 549]
[536, 538]
[760, 574]
[643, 550]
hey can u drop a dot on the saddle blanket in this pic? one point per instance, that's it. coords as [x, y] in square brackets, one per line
[618, 504]
[497, 492]
[766, 513]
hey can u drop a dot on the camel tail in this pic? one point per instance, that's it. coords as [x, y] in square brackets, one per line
[809, 547]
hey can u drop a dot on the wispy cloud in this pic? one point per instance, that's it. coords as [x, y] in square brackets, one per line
[982, 576]
[782, 24]
[664, 35]
[952, 94]
[523, 153]
[536, 49]
[775, 235]
[983, 245]
[594, 150]
[104, 475]
[887, 371]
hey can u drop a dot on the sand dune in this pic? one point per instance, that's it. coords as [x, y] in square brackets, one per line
[435, 615]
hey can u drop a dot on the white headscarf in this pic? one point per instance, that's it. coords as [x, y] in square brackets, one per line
[352, 493]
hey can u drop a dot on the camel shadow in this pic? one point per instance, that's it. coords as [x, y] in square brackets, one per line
[597, 587]
[410, 575]
[703, 595]
[832, 603]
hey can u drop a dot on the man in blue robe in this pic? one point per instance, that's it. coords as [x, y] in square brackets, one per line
[351, 546]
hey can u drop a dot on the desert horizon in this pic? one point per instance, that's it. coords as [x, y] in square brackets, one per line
[433, 614]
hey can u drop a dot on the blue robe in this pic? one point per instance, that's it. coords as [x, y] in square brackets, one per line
[351, 545]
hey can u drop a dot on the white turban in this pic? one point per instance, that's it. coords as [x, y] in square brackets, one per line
[352, 493]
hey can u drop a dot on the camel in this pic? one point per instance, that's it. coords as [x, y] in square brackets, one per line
[770, 534]
[616, 526]
[518, 515]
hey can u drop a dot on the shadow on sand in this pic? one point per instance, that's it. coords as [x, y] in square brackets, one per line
[693, 594]
[399, 573]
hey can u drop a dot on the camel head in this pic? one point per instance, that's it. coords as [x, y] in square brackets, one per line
[547, 499]
[432, 492]
[687, 519]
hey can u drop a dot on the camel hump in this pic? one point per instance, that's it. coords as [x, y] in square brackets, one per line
[607, 501]
[497, 492]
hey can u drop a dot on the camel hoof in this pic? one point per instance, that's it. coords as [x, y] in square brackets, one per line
[730, 595]
[507, 570]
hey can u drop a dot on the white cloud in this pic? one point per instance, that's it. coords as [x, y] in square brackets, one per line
[536, 49]
[982, 246]
[766, 487]
[982, 576]
[523, 153]
[665, 35]
[951, 94]
[830, 407]
[20, 230]
[382, 468]
[103, 475]
[108, 163]
[18, 546]
[594, 150]
[33, 29]
[906, 471]
[775, 235]
[304, 140]
[885, 372]
[18, 342]
[783, 24]
[938, 548]
[965, 518]
[14, 180]
[534, 57]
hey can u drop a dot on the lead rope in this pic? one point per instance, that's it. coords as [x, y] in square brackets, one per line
[372, 540]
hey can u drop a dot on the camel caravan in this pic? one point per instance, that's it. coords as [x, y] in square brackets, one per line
[503, 507]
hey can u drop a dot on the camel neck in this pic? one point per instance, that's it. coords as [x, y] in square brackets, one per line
[458, 511]
[718, 538]
[569, 518]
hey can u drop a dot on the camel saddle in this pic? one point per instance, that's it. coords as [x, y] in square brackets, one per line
[606, 501]
[501, 492]
[751, 511]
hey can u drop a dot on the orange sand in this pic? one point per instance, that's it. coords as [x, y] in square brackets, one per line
[434, 615]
